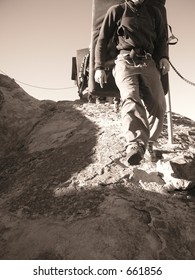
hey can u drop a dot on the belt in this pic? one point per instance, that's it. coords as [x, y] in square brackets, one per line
[136, 53]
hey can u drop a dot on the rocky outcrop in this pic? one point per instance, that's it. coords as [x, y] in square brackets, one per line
[65, 193]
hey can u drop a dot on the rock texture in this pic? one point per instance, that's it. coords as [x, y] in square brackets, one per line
[65, 194]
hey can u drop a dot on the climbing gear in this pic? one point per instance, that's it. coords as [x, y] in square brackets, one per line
[172, 40]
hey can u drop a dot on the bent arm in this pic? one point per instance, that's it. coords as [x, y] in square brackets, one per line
[107, 31]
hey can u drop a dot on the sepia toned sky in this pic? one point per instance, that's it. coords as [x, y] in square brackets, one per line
[40, 37]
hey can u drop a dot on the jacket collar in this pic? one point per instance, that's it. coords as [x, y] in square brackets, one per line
[133, 6]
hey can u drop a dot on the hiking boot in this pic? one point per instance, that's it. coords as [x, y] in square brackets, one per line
[135, 153]
[151, 154]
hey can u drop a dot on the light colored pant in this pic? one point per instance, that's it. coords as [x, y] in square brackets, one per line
[143, 100]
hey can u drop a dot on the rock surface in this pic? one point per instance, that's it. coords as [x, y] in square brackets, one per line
[64, 193]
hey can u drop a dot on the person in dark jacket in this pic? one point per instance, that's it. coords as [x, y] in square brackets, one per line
[141, 35]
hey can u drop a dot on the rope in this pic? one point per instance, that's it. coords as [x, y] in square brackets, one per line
[177, 72]
[172, 41]
[47, 88]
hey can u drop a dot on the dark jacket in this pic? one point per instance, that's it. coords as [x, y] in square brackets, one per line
[135, 27]
[157, 2]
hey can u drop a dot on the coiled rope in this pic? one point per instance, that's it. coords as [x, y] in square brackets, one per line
[172, 40]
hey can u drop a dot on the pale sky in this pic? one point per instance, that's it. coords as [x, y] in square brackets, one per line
[40, 37]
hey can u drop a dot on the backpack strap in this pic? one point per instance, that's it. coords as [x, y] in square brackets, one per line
[172, 39]
[122, 11]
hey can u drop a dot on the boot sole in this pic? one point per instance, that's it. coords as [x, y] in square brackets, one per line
[134, 159]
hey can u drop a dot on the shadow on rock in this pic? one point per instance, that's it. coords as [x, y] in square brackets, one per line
[43, 143]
